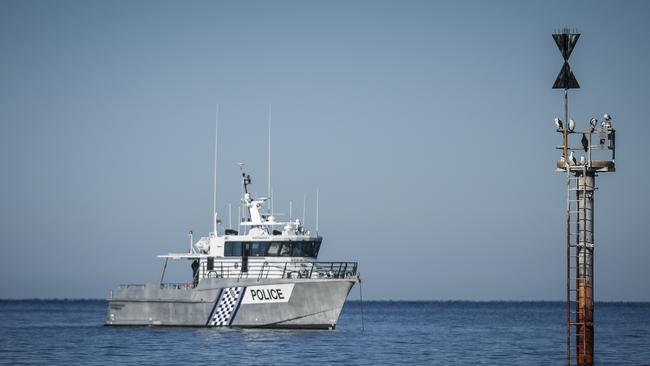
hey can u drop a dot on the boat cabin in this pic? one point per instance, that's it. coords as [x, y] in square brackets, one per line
[260, 250]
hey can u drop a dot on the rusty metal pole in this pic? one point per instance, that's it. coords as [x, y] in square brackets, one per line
[568, 270]
[585, 270]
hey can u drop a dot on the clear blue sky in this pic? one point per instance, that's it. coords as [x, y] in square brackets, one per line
[426, 125]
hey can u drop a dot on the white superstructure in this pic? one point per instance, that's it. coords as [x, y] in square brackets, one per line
[260, 251]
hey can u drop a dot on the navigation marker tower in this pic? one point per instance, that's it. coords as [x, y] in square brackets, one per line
[597, 143]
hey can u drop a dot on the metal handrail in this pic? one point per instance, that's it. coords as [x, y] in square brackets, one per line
[265, 270]
[283, 269]
[177, 286]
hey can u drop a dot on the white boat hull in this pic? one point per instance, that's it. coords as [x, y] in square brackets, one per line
[243, 303]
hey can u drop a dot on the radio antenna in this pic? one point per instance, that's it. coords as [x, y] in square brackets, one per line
[316, 211]
[214, 200]
[304, 205]
[268, 187]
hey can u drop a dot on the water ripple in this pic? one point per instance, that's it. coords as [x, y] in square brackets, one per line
[433, 333]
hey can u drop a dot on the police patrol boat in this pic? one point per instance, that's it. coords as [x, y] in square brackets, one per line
[261, 277]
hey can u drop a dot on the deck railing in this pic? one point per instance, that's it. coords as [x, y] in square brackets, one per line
[171, 286]
[266, 269]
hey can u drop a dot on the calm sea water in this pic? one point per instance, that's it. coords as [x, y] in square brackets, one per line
[434, 333]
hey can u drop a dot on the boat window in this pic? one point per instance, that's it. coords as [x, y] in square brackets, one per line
[274, 250]
[308, 248]
[298, 249]
[232, 249]
[210, 263]
[311, 248]
[286, 250]
[263, 249]
[259, 249]
[316, 248]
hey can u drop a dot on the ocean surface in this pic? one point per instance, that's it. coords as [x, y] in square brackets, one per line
[396, 332]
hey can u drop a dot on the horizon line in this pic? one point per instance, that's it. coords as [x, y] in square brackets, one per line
[80, 299]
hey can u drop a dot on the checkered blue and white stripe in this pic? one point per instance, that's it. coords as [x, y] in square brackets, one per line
[227, 304]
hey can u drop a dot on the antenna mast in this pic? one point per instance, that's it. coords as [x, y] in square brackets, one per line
[214, 200]
[304, 204]
[268, 187]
